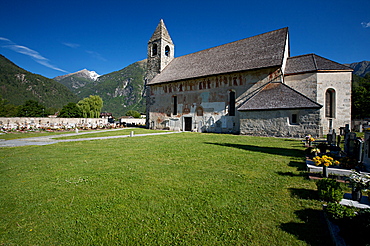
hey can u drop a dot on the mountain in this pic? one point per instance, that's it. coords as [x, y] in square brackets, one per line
[120, 90]
[18, 85]
[78, 79]
[360, 68]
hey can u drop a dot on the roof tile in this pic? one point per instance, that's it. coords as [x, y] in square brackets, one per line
[261, 51]
[311, 63]
[278, 96]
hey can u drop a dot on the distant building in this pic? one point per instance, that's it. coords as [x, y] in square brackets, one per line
[251, 86]
[108, 116]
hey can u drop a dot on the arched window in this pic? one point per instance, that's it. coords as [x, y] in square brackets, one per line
[232, 103]
[330, 103]
[154, 50]
[167, 50]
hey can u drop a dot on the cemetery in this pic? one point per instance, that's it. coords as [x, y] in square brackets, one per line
[342, 160]
[31, 124]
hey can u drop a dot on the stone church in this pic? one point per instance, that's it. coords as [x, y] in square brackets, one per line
[251, 86]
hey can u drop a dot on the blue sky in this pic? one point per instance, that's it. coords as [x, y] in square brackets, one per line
[52, 37]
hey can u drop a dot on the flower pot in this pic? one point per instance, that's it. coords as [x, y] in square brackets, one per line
[356, 194]
[325, 172]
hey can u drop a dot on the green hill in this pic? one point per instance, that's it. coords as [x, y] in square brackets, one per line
[121, 90]
[18, 85]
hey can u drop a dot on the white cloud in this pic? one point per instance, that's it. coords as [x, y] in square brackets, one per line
[72, 45]
[29, 52]
[365, 24]
[5, 39]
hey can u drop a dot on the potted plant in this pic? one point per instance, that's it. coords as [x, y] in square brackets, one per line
[315, 151]
[325, 161]
[329, 190]
[359, 182]
[309, 140]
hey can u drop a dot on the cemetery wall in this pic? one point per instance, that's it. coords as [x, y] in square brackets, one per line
[20, 122]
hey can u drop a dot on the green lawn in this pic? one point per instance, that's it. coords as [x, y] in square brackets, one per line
[125, 131]
[18, 135]
[178, 189]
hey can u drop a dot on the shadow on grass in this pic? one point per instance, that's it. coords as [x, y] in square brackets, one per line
[304, 194]
[268, 150]
[291, 174]
[312, 229]
[300, 165]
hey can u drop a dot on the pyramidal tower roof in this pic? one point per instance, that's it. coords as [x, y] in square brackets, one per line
[161, 33]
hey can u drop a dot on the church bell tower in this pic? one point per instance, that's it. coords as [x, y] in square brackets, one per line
[160, 51]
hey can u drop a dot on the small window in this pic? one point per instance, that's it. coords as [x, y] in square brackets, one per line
[174, 105]
[294, 119]
[167, 50]
[154, 50]
[232, 103]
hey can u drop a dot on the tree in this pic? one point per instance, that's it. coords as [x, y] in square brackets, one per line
[96, 104]
[71, 110]
[361, 97]
[91, 106]
[6, 109]
[133, 113]
[31, 108]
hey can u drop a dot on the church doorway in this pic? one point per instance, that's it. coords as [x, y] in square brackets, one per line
[187, 123]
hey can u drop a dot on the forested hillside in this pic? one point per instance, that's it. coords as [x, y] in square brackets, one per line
[121, 91]
[18, 86]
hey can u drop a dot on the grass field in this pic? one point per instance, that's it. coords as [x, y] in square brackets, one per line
[125, 131]
[178, 189]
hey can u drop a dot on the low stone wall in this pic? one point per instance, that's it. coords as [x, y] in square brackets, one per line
[133, 121]
[45, 122]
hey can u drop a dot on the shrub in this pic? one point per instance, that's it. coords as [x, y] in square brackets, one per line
[337, 211]
[363, 219]
[329, 190]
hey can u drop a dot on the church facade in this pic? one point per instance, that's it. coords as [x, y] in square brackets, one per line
[251, 86]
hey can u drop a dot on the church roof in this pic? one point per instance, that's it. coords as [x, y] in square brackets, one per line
[278, 96]
[161, 32]
[312, 63]
[261, 51]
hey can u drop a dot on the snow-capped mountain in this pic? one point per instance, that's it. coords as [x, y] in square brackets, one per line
[78, 79]
[84, 73]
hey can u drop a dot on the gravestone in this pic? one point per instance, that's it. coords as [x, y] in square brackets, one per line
[339, 138]
[366, 156]
[358, 150]
[351, 144]
[346, 133]
[331, 138]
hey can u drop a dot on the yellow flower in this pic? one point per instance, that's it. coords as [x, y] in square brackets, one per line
[325, 160]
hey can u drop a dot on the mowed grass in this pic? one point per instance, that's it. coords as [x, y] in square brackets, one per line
[110, 133]
[18, 135]
[178, 189]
